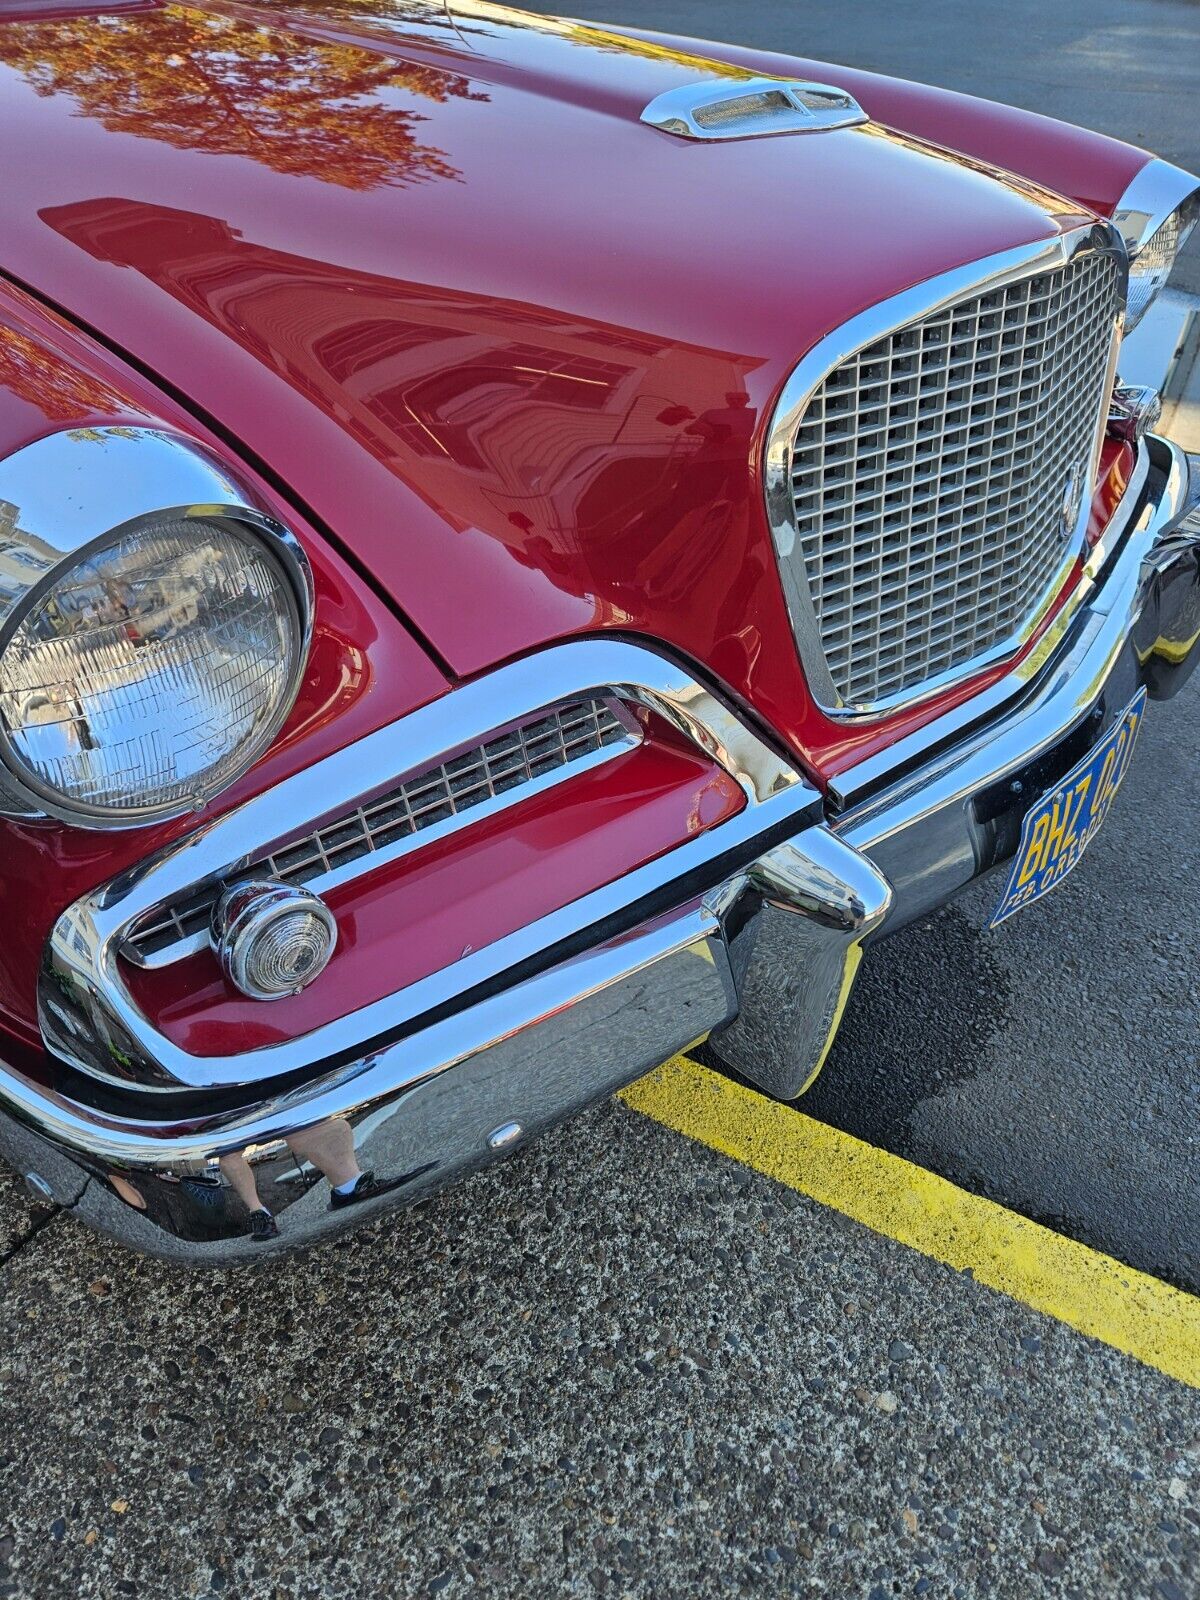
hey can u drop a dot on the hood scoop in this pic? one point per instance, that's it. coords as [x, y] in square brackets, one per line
[750, 108]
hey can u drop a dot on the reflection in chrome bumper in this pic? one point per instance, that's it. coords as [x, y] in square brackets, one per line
[763, 963]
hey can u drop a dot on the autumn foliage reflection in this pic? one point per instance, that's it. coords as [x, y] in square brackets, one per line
[58, 389]
[297, 104]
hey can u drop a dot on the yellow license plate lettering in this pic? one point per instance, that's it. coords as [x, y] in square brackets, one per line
[1058, 829]
[1033, 855]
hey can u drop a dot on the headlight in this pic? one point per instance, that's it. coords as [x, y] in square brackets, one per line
[1156, 214]
[149, 669]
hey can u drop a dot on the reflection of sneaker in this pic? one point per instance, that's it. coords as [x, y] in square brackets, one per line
[263, 1225]
[368, 1186]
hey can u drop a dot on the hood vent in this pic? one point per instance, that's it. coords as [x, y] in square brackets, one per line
[749, 108]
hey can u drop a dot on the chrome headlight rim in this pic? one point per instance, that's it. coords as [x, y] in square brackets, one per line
[1158, 192]
[75, 504]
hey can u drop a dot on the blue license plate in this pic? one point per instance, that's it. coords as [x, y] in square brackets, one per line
[1059, 828]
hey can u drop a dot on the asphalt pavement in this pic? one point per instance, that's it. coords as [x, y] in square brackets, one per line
[1052, 1064]
[619, 1365]
[625, 1364]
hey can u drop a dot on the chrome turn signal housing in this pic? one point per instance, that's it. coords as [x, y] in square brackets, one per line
[1134, 410]
[272, 939]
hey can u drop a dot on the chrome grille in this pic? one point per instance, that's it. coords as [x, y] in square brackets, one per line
[929, 474]
[513, 765]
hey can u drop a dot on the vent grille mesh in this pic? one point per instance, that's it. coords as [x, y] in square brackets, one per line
[512, 761]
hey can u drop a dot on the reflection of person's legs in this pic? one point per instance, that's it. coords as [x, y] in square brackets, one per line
[329, 1146]
[126, 1190]
[239, 1174]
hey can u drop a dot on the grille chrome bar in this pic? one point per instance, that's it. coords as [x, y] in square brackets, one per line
[515, 764]
[930, 465]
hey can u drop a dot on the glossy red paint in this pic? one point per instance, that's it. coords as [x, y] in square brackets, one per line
[364, 669]
[1090, 167]
[400, 923]
[516, 349]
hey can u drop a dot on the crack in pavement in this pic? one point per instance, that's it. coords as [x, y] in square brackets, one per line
[36, 1227]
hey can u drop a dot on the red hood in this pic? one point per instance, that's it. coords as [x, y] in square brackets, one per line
[510, 345]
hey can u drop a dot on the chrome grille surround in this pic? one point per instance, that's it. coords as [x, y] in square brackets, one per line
[529, 756]
[919, 467]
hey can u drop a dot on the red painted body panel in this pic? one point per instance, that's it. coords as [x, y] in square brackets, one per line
[513, 347]
[511, 351]
[364, 670]
[397, 925]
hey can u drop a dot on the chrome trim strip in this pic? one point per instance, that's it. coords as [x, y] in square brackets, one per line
[88, 1016]
[807, 108]
[845, 788]
[68, 490]
[764, 959]
[877, 322]
[427, 1108]
[367, 1084]
[1155, 191]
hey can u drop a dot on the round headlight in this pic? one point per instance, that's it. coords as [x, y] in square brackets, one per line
[151, 671]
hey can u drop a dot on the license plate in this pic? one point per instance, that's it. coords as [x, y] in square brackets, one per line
[1059, 828]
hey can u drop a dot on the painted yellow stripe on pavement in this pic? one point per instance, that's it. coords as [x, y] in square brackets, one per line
[1090, 1292]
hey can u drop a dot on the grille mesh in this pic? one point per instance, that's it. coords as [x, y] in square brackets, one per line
[929, 473]
[551, 744]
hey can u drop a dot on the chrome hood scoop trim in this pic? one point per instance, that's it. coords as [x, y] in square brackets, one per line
[720, 109]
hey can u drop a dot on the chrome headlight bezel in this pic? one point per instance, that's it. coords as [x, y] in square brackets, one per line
[72, 494]
[1159, 194]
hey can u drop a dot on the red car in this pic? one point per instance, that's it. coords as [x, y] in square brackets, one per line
[524, 547]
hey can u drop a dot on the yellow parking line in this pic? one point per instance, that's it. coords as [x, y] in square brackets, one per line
[1088, 1291]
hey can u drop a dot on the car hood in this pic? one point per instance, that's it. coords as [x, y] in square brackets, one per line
[511, 346]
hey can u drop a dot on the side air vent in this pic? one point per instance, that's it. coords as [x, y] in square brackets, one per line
[544, 750]
[748, 108]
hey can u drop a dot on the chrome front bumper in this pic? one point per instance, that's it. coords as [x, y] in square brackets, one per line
[758, 952]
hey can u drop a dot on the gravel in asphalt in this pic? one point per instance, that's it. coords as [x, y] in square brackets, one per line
[622, 1364]
[18, 1215]
[1054, 1064]
[618, 1365]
